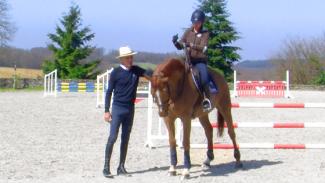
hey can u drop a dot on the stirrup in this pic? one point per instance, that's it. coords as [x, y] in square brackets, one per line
[206, 104]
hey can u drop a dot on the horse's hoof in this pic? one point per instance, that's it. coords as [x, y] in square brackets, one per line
[172, 173]
[206, 166]
[185, 177]
[239, 165]
[185, 174]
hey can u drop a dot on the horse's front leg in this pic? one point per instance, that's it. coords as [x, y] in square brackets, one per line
[170, 124]
[186, 145]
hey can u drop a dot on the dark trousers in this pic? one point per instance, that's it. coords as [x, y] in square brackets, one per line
[202, 68]
[121, 115]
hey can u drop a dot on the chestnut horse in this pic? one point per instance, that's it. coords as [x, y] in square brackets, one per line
[177, 97]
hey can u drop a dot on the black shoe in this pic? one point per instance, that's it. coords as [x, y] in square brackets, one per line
[206, 104]
[121, 171]
[107, 173]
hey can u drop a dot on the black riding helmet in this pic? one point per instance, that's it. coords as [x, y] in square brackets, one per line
[198, 16]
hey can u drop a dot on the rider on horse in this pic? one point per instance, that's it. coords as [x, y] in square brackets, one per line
[195, 39]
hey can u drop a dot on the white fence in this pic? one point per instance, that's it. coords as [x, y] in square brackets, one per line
[102, 85]
[262, 88]
[51, 83]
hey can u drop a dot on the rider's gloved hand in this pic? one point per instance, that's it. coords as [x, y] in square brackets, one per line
[189, 45]
[175, 38]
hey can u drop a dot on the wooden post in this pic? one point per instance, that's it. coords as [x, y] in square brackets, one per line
[14, 84]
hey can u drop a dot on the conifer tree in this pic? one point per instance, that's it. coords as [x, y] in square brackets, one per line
[70, 47]
[222, 34]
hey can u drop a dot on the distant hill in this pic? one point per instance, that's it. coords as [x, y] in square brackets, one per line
[33, 58]
[256, 70]
[258, 64]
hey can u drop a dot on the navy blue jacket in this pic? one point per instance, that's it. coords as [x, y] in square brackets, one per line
[124, 84]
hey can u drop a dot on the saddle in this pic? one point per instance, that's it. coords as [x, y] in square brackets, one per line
[197, 81]
[196, 75]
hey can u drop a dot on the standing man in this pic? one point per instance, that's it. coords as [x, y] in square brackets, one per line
[123, 82]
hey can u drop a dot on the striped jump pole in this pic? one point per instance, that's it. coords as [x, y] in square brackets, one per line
[269, 125]
[266, 145]
[261, 146]
[277, 105]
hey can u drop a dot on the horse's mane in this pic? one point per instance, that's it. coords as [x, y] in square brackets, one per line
[170, 66]
[168, 69]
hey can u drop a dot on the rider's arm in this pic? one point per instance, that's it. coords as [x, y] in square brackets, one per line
[179, 44]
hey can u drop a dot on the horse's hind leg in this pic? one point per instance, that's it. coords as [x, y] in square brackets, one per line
[170, 124]
[205, 122]
[226, 114]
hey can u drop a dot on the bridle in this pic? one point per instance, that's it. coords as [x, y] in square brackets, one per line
[163, 105]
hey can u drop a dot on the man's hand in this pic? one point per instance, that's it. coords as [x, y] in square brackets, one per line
[175, 38]
[108, 117]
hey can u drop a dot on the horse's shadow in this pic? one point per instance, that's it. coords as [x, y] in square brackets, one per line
[223, 169]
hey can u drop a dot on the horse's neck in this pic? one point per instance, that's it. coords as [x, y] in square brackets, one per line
[182, 89]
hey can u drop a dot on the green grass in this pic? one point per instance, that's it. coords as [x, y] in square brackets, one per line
[141, 64]
[147, 65]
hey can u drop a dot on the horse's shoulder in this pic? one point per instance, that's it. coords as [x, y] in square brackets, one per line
[215, 73]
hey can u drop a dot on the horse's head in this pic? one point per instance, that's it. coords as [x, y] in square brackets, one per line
[160, 92]
[165, 84]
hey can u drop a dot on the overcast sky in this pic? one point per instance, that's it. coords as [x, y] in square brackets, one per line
[148, 25]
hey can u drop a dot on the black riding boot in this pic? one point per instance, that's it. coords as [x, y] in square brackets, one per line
[121, 169]
[108, 153]
[206, 104]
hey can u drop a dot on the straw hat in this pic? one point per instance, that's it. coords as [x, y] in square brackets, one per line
[125, 51]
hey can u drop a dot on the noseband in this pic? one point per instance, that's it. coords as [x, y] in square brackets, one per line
[165, 104]
[162, 104]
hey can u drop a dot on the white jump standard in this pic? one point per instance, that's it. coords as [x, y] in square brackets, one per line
[261, 88]
[51, 83]
[102, 80]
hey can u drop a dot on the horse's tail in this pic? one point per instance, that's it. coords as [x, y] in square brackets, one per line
[221, 124]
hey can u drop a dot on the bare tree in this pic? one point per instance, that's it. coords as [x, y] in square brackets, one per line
[305, 58]
[7, 28]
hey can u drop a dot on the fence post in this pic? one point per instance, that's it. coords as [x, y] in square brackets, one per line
[235, 94]
[287, 93]
[50, 83]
